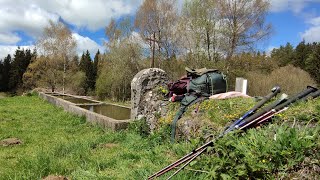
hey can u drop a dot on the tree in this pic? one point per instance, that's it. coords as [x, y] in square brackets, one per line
[58, 45]
[120, 63]
[6, 68]
[243, 23]
[200, 28]
[86, 66]
[96, 66]
[21, 61]
[283, 55]
[156, 21]
[312, 64]
[301, 53]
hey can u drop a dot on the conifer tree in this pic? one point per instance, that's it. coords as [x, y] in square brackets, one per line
[86, 66]
[95, 66]
[6, 72]
[17, 69]
[302, 52]
[1, 76]
[312, 64]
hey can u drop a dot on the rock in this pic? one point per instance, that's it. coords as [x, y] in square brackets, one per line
[145, 101]
[108, 145]
[54, 177]
[10, 142]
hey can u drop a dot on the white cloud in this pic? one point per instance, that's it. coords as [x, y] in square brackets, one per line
[269, 49]
[31, 16]
[293, 5]
[9, 38]
[315, 21]
[5, 50]
[24, 17]
[91, 14]
[85, 43]
[312, 34]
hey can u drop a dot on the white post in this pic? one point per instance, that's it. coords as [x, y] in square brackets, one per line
[241, 85]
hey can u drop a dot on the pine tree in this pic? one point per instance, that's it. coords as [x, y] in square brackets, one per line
[6, 72]
[312, 65]
[86, 66]
[17, 69]
[301, 54]
[1, 76]
[284, 55]
[95, 66]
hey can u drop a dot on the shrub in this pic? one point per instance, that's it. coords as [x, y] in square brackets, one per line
[291, 80]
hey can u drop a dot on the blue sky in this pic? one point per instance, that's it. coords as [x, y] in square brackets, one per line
[21, 21]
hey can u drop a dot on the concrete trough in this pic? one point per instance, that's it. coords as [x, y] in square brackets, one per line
[92, 117]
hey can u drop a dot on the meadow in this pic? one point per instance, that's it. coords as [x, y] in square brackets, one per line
[55, 142]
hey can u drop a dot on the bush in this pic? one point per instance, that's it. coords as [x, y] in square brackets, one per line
[291, 80]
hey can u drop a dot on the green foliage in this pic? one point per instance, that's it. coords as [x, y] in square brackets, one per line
[86, 66]
[284, 55]
[76, 82]
[5, 73]
[269, 152]
[312, 63]
[121, 65]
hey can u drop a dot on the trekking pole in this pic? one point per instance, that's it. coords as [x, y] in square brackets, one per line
[312, 95]
[278, 110]
[181, 160]
[260, 114]
[315, 94]
[188, 162]
[275, 108]
[274, 91]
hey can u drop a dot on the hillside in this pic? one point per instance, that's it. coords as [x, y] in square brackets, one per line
[57, 143]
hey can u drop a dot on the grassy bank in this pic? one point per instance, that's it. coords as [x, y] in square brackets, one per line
[56, 142]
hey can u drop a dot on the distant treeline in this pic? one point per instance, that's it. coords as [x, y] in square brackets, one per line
[100, 75]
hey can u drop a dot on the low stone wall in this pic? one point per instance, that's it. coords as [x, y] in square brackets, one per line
[91, 117]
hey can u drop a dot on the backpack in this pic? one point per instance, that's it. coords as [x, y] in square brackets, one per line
[207, 82]
[203, 82]
[196, 87]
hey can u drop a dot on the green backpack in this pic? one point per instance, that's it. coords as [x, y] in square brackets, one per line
[206, 82]
[203, 83]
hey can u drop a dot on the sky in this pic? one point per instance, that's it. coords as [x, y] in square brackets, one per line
[22, 21]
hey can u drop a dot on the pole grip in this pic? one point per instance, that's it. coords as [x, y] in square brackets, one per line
[298, 96]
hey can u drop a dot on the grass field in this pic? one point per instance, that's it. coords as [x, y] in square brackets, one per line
[55, 142]
[58, 143]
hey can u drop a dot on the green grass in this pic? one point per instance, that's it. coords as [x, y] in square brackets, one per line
[56, 142]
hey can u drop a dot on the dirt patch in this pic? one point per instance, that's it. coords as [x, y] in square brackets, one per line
[52, 177]
[108, 145]
[10, 142]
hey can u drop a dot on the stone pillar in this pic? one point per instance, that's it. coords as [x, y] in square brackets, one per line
[241, 85]
[145, 102]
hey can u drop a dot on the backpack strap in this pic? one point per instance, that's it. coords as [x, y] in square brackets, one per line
[182, 110]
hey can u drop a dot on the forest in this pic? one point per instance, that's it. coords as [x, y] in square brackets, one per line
[214, 34]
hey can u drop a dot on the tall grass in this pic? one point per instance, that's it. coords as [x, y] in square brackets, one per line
[291, 80]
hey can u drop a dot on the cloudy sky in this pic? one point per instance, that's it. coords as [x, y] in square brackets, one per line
[21, 21]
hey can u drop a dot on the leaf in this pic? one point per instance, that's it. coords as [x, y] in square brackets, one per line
[225, 176]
